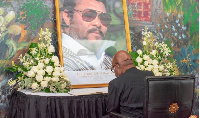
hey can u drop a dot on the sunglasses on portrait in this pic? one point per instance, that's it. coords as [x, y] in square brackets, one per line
[89, 15]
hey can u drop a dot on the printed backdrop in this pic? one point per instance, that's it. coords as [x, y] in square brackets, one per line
[175, 22]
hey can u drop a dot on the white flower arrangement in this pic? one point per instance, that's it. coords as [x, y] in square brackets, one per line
[154, 57]
[40, 69]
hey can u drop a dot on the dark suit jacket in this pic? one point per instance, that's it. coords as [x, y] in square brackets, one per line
[126, 93]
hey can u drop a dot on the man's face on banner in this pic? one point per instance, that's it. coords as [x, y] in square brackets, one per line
[88, 20]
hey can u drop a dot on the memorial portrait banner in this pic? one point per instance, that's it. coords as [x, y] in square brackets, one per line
[90, 32]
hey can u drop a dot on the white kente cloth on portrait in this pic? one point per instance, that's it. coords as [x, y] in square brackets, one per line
[76, 57]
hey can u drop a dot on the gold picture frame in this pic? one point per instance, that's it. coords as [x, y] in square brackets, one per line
[58, 27]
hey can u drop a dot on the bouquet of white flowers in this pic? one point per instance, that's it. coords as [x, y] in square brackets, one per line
[40, 69]
[154, 57]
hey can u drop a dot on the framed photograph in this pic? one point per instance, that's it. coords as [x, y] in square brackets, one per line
[90, 32]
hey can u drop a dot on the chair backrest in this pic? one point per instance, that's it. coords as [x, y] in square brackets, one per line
[169, 96]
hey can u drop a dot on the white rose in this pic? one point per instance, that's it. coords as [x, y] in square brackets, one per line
[46, 61]
[139, 52]
[153, 52]
[56, 73]
[167, 74]
[150, 67]
[146, 63]
[40, 72]
[55, 59]
[62, 74]
[150, 61]
[49, 69]
[144, 43]
[146, 57]
[161, 67]
[155, 73]
[62, 69]
[39, 78]
[56, 63]
[30, 73]
[158, 74]
[51, 49]
[63, 85]
[34, 86]
[138, 67]
[139, 59]
[57, 69]
[47, 78]
[40, 65]
[66, 78]
[44, 83]
[155, 66]
[34, 68]
[155, 62]
[155, 70]
[142, 67]
[55, 79]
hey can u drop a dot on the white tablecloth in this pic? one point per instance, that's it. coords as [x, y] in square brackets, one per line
[73, 92]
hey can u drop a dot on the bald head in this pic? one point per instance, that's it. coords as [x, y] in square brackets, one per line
[122, 61]
[123, 58]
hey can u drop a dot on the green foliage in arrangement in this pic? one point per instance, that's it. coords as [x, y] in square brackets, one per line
[39, 69]
[154, 57]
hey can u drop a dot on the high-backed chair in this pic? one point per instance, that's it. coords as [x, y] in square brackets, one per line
[167, 97]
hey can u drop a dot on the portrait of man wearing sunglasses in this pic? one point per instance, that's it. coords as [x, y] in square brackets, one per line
[84, 26]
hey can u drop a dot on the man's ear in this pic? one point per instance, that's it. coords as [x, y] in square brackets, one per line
[117, 65]
[66, 17]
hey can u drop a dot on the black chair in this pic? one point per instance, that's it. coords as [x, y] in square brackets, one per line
[167, 97]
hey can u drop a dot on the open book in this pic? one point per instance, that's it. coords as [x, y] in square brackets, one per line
[88, 91]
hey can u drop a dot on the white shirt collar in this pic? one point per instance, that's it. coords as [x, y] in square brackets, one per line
[70, 43]
[76, 47]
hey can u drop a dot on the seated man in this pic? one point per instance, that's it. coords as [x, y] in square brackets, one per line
[126, 92]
